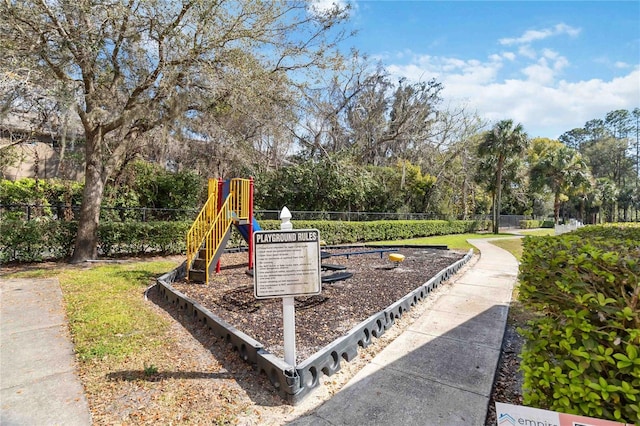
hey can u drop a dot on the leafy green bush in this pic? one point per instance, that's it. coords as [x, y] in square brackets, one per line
[25, 191]
[20, 240]
[35, 240]
[171, 196]
[620, 231]
[581, 354]
[49, 239]
[338, 183]
[337, 232]
[143, 184]
[142, 237]
[51, 195]
[534, 223]
[530, 224]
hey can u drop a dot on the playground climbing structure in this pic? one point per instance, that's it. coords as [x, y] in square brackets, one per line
[229, 204]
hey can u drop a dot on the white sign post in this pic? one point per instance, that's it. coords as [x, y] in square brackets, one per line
[287, 264]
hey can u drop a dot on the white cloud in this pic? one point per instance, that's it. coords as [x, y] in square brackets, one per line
[527, 52]
[546, 105]
[535, 35]
[324, 6]
[560, 63]
[457, 71]
[527, 85]
[551, 109]
[539, 73]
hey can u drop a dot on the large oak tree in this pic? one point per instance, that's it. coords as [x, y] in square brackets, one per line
[136, 66]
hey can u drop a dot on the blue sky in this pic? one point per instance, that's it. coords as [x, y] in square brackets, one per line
[550, 65]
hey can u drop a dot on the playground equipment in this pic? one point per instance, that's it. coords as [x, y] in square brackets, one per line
[396, 258]
[375, 251]
[229, 203]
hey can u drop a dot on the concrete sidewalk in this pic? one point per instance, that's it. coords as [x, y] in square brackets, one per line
[441, 370]
[38, 380]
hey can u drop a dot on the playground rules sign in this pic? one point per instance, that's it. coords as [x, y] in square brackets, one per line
[286, 263]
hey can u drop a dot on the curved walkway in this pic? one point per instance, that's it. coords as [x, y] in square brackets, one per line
[440, 371]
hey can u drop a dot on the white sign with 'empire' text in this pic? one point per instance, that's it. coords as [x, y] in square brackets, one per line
[515, 415]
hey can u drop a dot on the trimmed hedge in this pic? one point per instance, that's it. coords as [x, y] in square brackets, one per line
[142, 237]
[338, 232]
[629, 232]
[533, 223]
[581, 354]
[36, 240]
[50, 239]
[39, 240]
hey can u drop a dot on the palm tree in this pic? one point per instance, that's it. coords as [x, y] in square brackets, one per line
[561, 169]
[503, 143]
[604, 200]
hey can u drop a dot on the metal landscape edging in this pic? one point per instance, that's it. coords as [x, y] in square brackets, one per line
[294, 383]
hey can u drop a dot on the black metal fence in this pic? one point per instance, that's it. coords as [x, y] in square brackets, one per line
[65, 212]
[346, 216]
[145, 214]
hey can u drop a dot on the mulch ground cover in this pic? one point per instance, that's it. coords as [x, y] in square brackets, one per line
[320, 319]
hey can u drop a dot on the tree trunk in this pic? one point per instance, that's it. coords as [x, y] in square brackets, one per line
[494, 216]
[498, 203]
[465, 210]
[86, 245]
[556, 208]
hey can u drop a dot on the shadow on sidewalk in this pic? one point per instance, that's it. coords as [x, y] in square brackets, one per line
[423, 378]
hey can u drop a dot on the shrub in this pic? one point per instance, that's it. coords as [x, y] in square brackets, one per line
[35, 240]
[629, 232]
[49, 239]
[534, 223]
[46, 197]
[172, 196]
[118, 238]
[530, 224]
[337, 232]
[581, 354]
[43, 239]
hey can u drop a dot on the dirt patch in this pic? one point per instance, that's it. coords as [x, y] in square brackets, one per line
[507, 386]
[320, 319]
[376, 284]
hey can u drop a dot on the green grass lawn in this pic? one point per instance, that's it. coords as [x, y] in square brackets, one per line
[538, 232]
[106, 311]
[459, 241]
[513, 246]
[454, 242]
